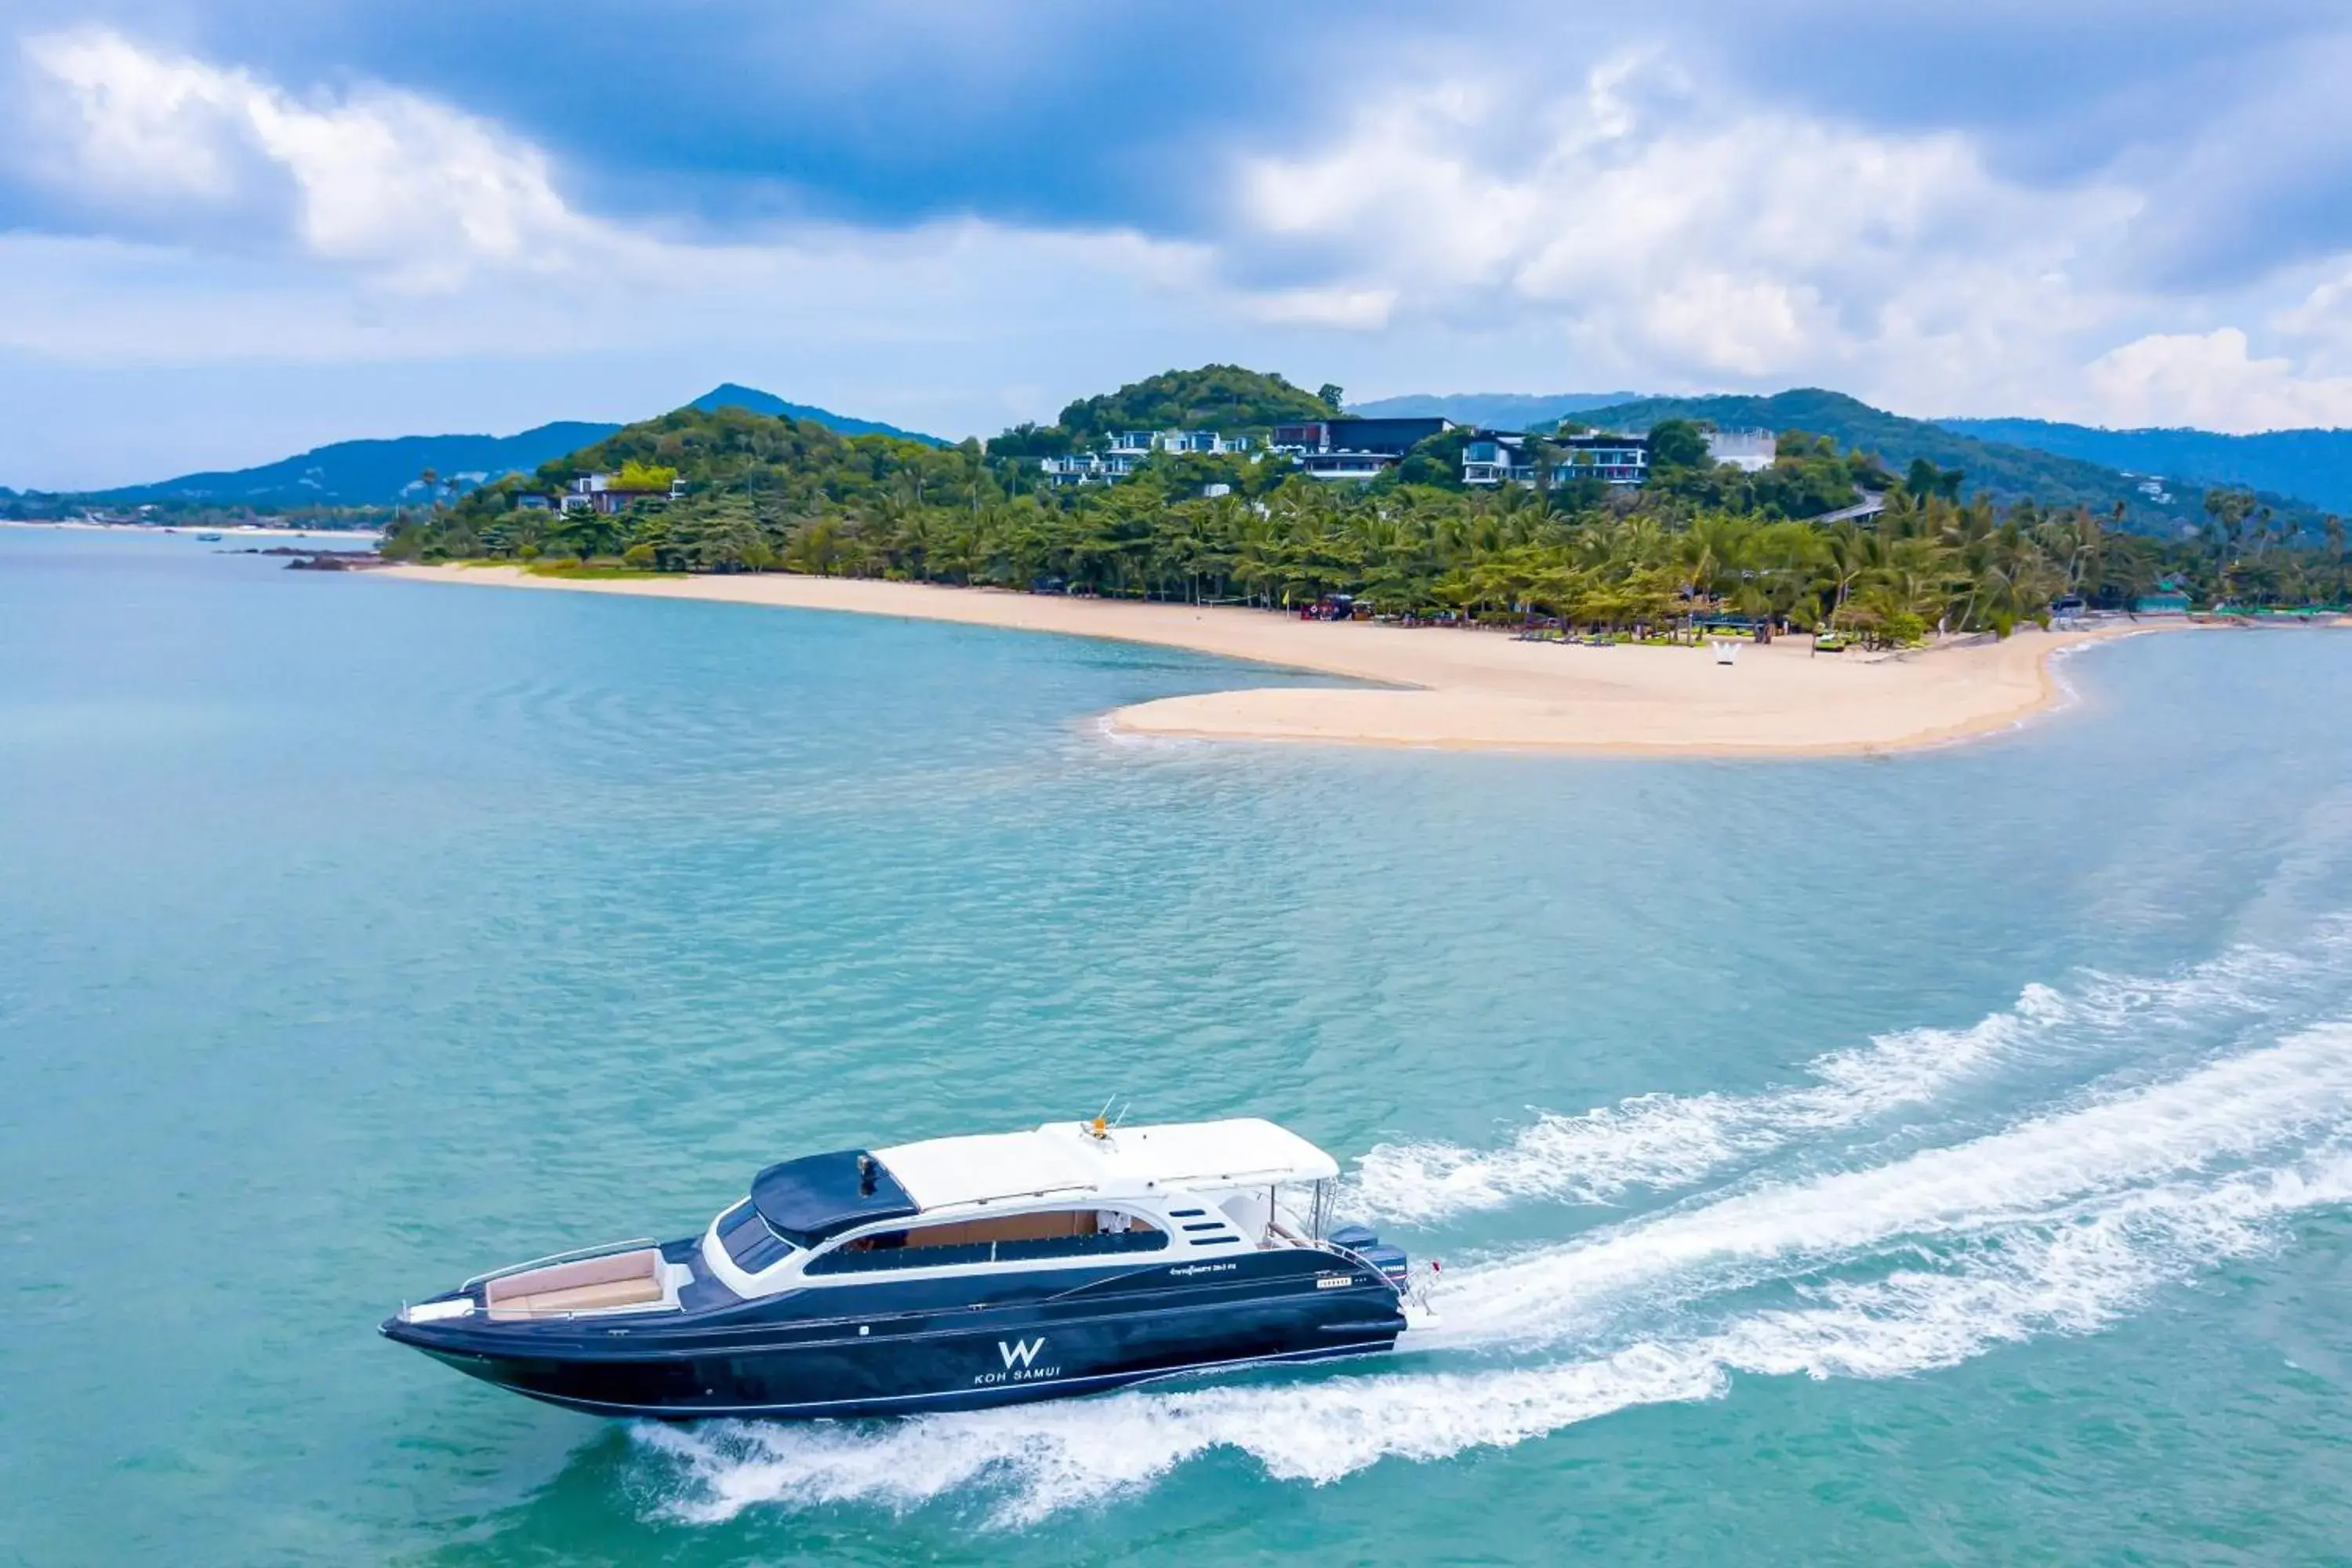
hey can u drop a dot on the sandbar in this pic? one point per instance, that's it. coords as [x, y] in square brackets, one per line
[1458, 689]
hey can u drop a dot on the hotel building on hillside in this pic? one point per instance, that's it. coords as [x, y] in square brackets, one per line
[603, 494]
[1353, 448]
[1501, 458]
[1208, 443]
[1613, 459]
[1498, 458]
[1749, 451]
[1125, 450]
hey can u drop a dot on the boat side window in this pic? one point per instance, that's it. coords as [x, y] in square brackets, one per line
[999, 1238]
[1074, 1233]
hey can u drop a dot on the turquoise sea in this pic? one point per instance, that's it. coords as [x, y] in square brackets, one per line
[1946, 1158]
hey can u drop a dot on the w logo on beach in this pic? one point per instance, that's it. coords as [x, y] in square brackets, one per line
[1020, 1352]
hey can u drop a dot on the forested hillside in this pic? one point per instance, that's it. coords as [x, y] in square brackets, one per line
[764, 494]
[2003, 472]
[367, 473]
[1215, 397]
[2314, 465]
[388, 473]
[751, 400]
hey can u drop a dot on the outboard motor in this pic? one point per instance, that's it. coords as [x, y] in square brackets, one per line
[1365, 1243]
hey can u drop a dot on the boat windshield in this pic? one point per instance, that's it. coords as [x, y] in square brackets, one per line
[749, 1240]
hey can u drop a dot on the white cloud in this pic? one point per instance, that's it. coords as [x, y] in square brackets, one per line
[1627, 226]
[408, 230]
[1665, 237]
[2212, 381]
[1354, 309]
[381, 178]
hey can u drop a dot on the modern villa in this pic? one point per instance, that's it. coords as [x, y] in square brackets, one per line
[1353, 448]
[1090, 467]
[1502, 457]
[1209, 443]
[1129, 450]
[1613, 459]
[604, 493]
[1498, 458]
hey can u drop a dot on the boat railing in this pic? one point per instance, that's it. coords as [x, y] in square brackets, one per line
[577, 1254]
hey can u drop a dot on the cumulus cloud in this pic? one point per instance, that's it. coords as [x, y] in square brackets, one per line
[379, 177]
[1646, 232]
[1487, 220]
[2212, 379]
[406, 228]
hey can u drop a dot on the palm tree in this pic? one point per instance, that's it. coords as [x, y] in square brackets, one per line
[588, 533]
[1849, 550]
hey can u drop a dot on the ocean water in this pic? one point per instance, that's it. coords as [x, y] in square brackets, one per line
[1940, 1158]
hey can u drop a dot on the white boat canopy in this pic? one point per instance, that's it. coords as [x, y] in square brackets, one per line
[1068, 1159]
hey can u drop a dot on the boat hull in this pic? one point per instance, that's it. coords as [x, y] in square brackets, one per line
[783, 1362]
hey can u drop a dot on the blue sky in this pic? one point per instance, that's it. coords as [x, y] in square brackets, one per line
[229, 230]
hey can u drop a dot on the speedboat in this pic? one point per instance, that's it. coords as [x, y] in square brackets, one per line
[952, 1274]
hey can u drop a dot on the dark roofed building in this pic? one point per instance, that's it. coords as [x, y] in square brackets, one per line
[1353, 448]
[1393, 437]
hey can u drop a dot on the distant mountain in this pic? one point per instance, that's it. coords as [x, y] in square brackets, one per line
[371, 473]
[1497, 410]
[753, 401]
[2314, 464]
[2004, 471]
[387, 472]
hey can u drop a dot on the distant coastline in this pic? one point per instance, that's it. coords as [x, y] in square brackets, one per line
[190, 530]
[1459, 689]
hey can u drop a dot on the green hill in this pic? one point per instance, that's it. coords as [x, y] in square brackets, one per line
[2002, 471]
[381, 473]
[728, 394]
[1214, 397]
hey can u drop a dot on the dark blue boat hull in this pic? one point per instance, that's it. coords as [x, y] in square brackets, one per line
[907, 1347]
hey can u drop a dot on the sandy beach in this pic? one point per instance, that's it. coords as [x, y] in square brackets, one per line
[1459, 689]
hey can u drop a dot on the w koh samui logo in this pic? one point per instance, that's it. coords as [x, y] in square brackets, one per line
[1020, 1358]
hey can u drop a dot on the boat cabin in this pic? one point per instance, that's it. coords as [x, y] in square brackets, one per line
[1067, 1193]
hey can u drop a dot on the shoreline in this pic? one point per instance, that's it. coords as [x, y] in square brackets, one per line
[1451, 689]
[227, 531]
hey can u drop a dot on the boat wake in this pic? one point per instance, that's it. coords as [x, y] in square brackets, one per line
[1663, 1142]
[2059, 1222]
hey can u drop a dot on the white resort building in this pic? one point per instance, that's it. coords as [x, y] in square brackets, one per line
[1749, 451]
[1127, 449]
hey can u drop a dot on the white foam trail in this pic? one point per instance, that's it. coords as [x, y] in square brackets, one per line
[2090, 1211]
[1661, 1142]
[2232, 1109]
